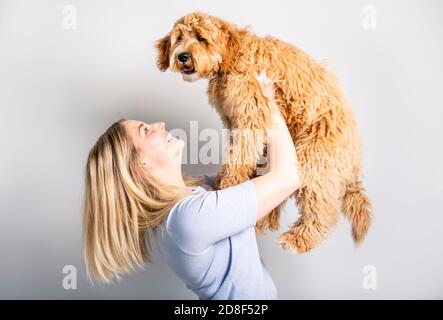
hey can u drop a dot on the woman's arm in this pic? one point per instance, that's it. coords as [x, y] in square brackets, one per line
[282, 178]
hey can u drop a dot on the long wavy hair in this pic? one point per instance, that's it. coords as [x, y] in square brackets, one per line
[122, 205]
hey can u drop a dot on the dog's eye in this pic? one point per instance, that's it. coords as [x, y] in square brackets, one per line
[200, 38]
[179, 38]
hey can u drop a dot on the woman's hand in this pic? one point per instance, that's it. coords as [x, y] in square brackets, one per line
[267, 88]
[266, 85]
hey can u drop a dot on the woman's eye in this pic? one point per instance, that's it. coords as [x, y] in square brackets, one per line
[146, 130]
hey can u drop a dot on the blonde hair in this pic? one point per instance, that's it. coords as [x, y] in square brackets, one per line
[122, 205]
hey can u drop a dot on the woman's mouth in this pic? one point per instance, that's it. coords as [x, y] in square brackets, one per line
[170, 137]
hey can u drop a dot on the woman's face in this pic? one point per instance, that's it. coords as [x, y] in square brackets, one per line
[157, 148]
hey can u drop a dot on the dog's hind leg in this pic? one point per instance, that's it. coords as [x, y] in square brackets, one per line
[319, 215]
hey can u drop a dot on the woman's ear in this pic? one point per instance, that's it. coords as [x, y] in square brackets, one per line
[163, 45]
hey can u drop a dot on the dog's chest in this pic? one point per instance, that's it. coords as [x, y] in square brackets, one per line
[216, 89]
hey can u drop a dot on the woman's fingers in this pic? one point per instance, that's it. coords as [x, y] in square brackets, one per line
[266, 84]
[262, 78]
[267, 87]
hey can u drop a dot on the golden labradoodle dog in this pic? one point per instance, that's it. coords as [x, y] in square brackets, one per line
[316, 111]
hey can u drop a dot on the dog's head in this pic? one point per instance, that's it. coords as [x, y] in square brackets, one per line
[198, 46]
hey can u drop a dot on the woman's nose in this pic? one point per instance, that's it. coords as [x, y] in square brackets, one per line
[160, 125]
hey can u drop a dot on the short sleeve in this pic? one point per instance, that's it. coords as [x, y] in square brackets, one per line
[199, 221]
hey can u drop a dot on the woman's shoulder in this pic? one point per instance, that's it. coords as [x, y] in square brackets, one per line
[207, 182]
[210, 181]
[193, 203]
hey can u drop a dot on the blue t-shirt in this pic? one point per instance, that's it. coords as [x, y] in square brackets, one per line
[209, 241]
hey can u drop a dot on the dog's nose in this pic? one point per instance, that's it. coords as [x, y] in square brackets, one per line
[184, 56]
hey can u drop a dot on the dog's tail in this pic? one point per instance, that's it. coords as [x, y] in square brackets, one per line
[357, 208]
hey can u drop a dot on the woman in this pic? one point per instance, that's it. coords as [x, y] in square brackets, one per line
[134, 189]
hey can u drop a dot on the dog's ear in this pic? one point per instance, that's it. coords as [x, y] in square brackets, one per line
[229, 41]
[163, 45]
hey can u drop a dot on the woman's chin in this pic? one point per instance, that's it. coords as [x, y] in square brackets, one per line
[175, 150]
[180, 143]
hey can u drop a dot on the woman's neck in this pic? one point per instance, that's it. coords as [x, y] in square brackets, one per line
[172, 177]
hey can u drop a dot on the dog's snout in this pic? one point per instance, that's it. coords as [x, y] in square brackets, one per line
[184, 56]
